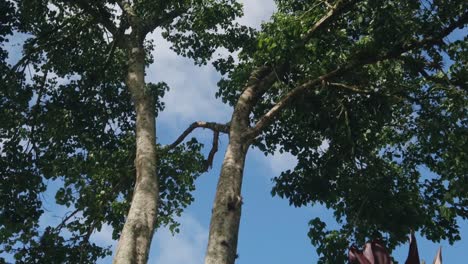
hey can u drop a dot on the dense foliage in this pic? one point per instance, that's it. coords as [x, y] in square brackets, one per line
[67, 118]
[382, 143]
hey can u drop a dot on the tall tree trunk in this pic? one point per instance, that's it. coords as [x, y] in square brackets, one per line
[135, 240]
[225, 219]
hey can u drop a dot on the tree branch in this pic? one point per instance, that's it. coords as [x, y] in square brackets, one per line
[391, 54]
[336, 10]
[351, 88]
[260, 80]
[85, 242]
[223, 128]
[152, 24]
[33, 49]
[267, 118]
[32, 119]
[100, 14]
[355, 89]
[65, 220]
[122, 6]
[214, 149]
[264, 77]
[111, 52]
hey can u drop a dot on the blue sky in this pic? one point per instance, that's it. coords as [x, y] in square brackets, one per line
[271, 231]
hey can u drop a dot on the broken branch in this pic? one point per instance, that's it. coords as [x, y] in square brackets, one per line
[223, 128]
[214, 149]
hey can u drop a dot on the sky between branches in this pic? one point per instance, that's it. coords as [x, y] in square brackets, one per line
[271, 231]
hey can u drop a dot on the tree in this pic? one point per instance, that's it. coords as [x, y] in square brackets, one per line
[83, 106]
[368, 79]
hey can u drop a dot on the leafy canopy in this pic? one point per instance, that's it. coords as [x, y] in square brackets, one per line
[383, 143]
[67, 117]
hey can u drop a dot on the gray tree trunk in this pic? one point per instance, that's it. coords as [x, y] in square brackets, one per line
[225, 219]
[224, 226]
[135, 240]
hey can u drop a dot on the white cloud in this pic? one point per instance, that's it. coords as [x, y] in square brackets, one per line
[186, 247]
[191, 98]
[14, 46]
[280, 162]
[53, 213]
[104, 236]
[256, 12]
[193, 88]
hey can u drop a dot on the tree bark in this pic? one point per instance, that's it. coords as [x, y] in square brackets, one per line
[225, 220]
[226, 214]
[135, 240]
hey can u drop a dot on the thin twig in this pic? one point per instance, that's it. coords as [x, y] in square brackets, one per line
[65, 220]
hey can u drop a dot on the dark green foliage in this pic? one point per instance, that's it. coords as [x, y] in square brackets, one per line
[206, 26]
[82, 135]
[363, 138]
[67, 117]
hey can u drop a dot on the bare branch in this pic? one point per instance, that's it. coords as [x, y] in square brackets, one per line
[336, 10]
[327, 4]
[110, 54]
[392, 54]
[24, 61]
[214, 149]
[351, 88]
[223, 128]
[65, 220]
[85, 242]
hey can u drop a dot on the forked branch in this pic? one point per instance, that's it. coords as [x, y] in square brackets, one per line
[219, 128]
